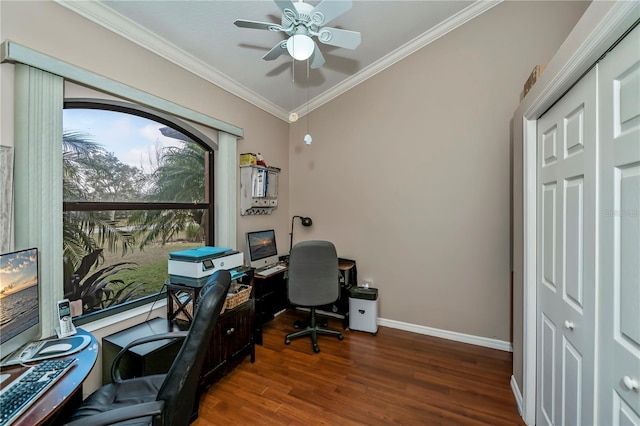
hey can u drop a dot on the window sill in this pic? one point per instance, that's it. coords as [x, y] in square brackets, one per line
[140, 311]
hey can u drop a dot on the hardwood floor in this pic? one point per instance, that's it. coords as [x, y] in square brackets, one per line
[395, 377]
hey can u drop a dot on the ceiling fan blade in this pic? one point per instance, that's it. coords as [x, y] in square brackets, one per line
[340, 38]
[288, 9]
[244, 23]
[328, 10]
[277, 50]
[317, 59]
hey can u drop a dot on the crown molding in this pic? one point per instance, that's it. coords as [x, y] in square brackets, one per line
[121, 25]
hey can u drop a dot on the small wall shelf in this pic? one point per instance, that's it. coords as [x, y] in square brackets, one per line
[258, 189]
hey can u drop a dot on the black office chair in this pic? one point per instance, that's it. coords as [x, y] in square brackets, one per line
[162, 399]
[314, 280]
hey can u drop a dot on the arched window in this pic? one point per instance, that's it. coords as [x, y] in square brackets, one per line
[137, 185]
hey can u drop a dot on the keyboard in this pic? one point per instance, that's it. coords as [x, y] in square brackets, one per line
[271, 270]
[31, 385]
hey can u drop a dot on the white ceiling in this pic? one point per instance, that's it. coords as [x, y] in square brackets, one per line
[200, 36]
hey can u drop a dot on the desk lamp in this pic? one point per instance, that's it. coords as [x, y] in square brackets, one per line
[306, 221]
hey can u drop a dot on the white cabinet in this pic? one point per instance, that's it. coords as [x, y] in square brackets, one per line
[258, 189]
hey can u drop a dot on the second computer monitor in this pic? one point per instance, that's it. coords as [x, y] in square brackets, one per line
[261, 248]
[19, 300]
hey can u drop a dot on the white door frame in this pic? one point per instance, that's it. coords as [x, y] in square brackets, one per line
[601, 25]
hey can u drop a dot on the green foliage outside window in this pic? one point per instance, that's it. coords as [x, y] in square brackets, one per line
[91, 174]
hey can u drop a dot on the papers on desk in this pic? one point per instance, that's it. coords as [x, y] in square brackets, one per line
[235, 274]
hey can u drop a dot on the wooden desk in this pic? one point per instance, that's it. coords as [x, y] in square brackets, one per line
[271, 295]
[231, 340]
[65, 396]
[142, 360]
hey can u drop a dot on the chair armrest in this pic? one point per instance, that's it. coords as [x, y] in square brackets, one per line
[115, 371]
[153, 408]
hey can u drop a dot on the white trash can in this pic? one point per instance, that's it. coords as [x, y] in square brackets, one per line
[363, 309]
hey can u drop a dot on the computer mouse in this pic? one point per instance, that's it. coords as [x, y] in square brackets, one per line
[59, 347]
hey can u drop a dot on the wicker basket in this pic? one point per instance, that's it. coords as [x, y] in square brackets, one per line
[238, 294]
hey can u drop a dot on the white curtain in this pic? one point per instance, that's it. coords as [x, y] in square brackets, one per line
[38, 179]
[226, 168]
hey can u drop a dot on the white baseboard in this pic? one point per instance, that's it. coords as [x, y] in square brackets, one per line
[446, 334]
[516, 394]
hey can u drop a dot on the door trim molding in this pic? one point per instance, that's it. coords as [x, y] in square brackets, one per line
[602, 24]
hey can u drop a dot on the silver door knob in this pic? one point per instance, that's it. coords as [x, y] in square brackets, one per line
[629, 383]
[569, 325]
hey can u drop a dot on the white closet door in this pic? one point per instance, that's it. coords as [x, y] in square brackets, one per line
[619, 348]
[566, 265]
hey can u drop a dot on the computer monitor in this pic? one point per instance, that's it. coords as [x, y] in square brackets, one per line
[261, 248]
[19, 300]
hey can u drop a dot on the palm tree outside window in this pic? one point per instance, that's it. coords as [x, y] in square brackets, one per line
[136, 187]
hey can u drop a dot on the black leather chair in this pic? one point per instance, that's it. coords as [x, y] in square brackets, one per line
[162, 399]
[314, 280]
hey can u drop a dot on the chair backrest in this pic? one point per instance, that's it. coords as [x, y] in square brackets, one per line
[314, 277]
[179, 389]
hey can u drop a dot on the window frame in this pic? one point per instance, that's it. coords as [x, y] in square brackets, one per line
[208, 145]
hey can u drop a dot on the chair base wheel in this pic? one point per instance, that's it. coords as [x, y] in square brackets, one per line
[287, 341]
[316, 349]
[340, 337]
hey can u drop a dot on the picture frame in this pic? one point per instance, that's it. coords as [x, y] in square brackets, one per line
[6, 197]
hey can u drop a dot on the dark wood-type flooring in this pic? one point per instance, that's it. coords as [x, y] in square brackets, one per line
[395, 377]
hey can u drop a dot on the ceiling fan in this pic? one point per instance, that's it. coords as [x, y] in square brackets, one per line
[301, 21]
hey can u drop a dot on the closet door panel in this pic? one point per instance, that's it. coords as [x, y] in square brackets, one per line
[619, 93]
[566, 270]
[571, 384]
[623, 414]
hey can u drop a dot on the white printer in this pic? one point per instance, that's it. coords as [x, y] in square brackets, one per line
[194, 266]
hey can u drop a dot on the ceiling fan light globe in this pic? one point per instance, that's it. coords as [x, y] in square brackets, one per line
[300, 47]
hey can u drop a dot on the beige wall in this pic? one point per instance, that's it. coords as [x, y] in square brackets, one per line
[408, 173]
